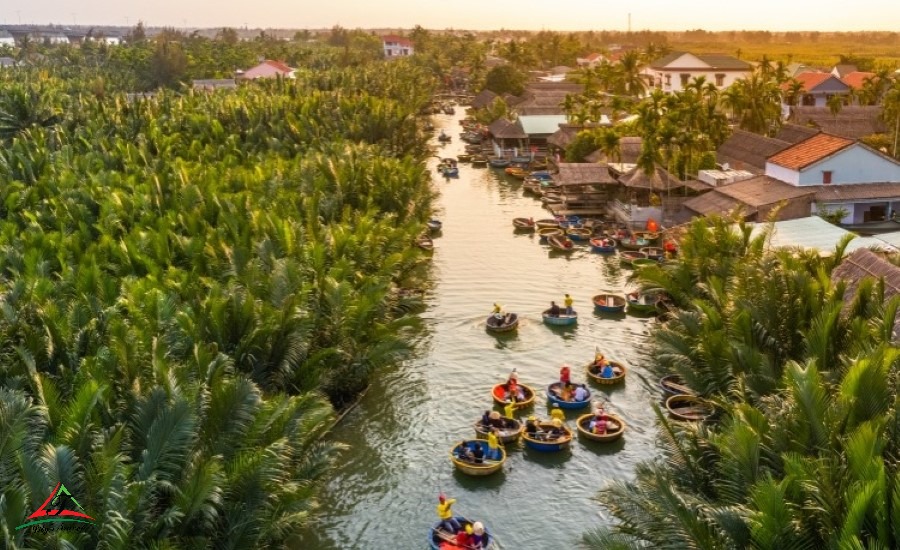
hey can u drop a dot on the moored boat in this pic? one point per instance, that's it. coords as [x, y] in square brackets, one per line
[425, 243]
[579, 233]
[609, 303]
[497, 162]
[634, 243]
[439, 539]
[479, 161]
[673, 384]
[628, 256]
[548, 232]
[515, 172]
[506, 323]
[435, 225]
[464, 157]
[689, 408]
[654, 252]
[594, 371]
[638, 263]
[444, 137]
[509, 432]
[641, 302]
[604, 245]
[545, 223]
[468, 466]
[561, 243]
[614, 431]
[524, 224]
[562, 319]
[499, 394]
[554, 395]
[541, 441]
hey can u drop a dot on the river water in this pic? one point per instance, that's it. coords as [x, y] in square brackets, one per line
[384, 490]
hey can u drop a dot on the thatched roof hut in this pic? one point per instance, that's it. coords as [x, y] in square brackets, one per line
[864, 264]
[483, 99]
[578, 173]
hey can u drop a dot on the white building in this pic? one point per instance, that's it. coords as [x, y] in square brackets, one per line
[673, 72]
[397, 46]
[6, 39]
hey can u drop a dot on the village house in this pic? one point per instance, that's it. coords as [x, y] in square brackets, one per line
[673, 72]
[6, 39]
[590, 60]
[818, 88]
[267, 69]
[396, 46]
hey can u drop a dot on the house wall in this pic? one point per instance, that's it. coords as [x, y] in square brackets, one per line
[659, 77]
[393, 49]
[854, 165]
[783, 174]
[7, 41]
[263, 71]
[856, 211]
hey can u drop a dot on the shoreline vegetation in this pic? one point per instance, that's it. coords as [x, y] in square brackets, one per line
[192, 283]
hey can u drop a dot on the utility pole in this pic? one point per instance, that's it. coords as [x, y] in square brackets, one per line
[629, 22]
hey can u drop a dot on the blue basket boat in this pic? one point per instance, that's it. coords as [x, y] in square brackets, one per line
[438, 536]
[553, 396]
[541, 443]
[559, 320]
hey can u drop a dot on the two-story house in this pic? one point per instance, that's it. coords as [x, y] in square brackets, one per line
[673, 72]
[396, 46]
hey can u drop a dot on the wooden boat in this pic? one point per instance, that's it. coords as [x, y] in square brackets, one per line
[499, 395]
[435, 225]
[641, 303]
[609, 303]
[531, 186]
[628, 256]
[487, 467]
[603, 246]
[561, 243]
[583, 424]
[517, 173]
[521, 160]
[507, 323]
[497, 162]
[553, 396]
[541, 224]
[562, 319]
[548, 445]
[548, 232]
[654, 252]
[444, 137]
[425, 243]
[650, 236]
[479, 161]
[672, 384]
[438, 539]
[509, 433]
[593, 371]
[579, 233]
[638, 263]
[634, 244]
[524, 224]
[689, 408]
[464, 157]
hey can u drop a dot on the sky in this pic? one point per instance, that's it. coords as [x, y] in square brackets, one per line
[562, 15]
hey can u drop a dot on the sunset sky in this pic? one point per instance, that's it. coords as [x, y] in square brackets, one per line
[466, 14]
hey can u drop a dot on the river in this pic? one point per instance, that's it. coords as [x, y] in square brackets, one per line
[384, 490]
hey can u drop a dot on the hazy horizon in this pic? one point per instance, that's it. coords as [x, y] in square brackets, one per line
[577, 15]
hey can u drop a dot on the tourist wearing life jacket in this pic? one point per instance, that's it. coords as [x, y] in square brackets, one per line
[445, 514]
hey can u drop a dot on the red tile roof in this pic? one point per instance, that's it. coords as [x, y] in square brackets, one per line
[400, 40]
[278, 65]
[810, 150]
[809, 80]
[856, 78]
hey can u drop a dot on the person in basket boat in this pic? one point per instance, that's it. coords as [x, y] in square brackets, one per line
[495, 421]
[557, 414]
[568, 303]
[554, 310]
[565, 375]
[464, 537]
[513, 391]
[486, 419]
[531, 427]
[445, 514]
[477, 540]
[607, 371]
[556, 431]
[509, 410]
[493, 444]
[581, 393]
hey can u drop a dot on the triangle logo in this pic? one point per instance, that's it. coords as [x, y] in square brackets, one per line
[60, 507]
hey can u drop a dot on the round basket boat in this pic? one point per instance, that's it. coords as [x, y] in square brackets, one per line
[603, 246]
[689, 408]
[438, 538]
[546, 223]
[579, 233]
[619, 370]
[562, 319]
[484, 468]
[672, 384]
[499, 394]
[654, 252]
[561, 243]
[509, 433]
[629, 256]
[638, 263]
[584, 421]
[524, 224]
[554, 398]
[546, 232]
[609, 303]
[540, 443]
[508, 323]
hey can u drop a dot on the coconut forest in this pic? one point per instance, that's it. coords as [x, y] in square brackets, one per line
[196, 285]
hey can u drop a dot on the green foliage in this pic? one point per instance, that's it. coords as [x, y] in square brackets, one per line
[505, 79]
[186, 281]
[802, 452]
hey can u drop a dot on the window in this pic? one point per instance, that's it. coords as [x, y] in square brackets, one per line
[720, 80]
[685, 77]
[826, 176]
[668, 80]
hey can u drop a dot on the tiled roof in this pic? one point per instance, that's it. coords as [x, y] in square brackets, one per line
[856, 79]
[278, 65]
[810, 151]
[483, 99]
[714, 60]
[856, 191]
[763, 190]
[794, 133]
[852, 122]
[713, 203]
[572, 173]
[564, 136]
[401, 40]
[748, 151]
[504, 129]
[811, 80]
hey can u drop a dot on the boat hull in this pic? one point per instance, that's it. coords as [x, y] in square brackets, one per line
[688, 408]
[435, 535]
[509, 434]
[568, 405]
[499, 394]
[548, 445]
[561, 320]
[583, 424]
[600, 248]
[561, 243]
[609, 303]
[594, 373]
[672, 384]
[486, 468]
[510, 323]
